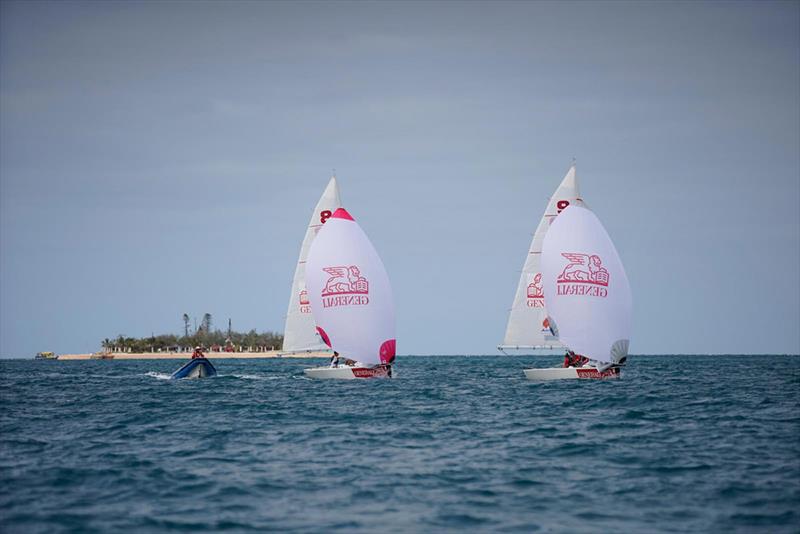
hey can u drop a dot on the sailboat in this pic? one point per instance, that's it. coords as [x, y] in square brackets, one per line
[528, 327]
[299, 333]
[588, 296]
[351, 301]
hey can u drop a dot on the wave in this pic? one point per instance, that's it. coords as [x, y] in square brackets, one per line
[159, 376]
[252, 377]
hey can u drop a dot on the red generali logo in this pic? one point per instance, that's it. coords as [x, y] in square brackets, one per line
[583, 275]
[535, 293]
[305, 304]
[345, 287]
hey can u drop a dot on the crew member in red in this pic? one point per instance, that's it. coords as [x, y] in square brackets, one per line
[198, 353]
[574, 360]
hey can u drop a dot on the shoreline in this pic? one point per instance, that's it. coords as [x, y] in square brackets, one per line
[188, 355]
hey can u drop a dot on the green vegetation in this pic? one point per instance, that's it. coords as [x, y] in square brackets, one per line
[216, 340]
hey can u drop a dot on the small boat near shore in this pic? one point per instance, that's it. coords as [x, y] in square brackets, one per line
[351, 300]
[195, 368]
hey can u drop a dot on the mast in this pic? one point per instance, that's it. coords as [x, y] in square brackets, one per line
[299, 333]
[528, 326]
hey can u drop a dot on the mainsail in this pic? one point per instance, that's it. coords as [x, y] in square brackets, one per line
[351, 298]
[528, 326]
[587, 291]
[299, 334]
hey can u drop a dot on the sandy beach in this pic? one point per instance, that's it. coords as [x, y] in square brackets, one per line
[188, 355]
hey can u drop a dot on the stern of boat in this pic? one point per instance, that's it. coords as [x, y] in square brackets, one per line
[349, 373]
[566, 373]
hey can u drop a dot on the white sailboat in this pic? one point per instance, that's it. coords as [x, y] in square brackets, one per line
[588, 296]
[351, 300]
[528, 327]
[299, 333]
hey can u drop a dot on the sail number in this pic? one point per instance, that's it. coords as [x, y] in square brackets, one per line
[324, 215]
[562, 205]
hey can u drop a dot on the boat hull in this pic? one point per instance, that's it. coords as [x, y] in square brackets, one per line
[349, 373]
[562, 373]
[196, 368]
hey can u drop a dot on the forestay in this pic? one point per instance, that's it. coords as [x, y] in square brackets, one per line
[351, 298]
[299, 333]
[585, 286]
[528, 326]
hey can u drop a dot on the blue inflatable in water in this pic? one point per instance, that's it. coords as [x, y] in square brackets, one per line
[195, 368]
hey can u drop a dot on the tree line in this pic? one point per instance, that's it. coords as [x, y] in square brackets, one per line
[203, 336]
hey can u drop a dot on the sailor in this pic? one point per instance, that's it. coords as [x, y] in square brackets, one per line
[569, 359]
[335, 359]
[198, 353]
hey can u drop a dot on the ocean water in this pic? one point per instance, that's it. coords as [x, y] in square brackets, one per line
[679, 444]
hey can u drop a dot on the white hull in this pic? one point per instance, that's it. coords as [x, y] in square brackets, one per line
[561, 373]
[348, 373]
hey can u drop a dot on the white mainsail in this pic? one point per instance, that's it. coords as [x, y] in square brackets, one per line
[299, 333]
[350, 294]
[528, 326]
[585, 286]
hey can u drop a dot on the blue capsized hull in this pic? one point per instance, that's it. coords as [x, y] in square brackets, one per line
[196, 368]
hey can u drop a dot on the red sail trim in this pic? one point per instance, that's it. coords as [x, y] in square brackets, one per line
[324, 336]
[341, 213]
[387, 351]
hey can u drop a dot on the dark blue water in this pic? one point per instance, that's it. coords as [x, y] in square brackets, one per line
[680, 443]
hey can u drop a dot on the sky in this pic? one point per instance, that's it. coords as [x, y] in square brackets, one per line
[163, 158]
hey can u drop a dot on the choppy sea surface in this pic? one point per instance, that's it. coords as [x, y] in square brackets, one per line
[678, 444]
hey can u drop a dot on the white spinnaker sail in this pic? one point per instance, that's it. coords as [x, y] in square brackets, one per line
[585, 286]
[299, 333]
[351, 298]
[527, 321]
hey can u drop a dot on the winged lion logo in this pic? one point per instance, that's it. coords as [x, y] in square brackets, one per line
[345, 280]
[584, 268]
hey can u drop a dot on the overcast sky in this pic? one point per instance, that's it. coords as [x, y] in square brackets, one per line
[159, 158]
